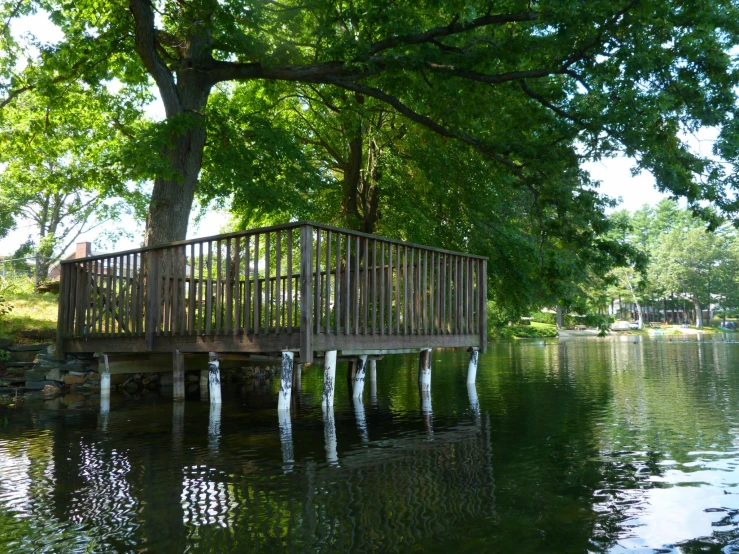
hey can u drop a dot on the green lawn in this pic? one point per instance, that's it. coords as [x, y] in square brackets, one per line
[32, 318]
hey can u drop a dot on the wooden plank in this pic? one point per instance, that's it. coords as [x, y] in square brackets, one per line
[134, 295]
[398, 299]
[174, 291]
[365, 288]
[373, 295]
[347, 283]
[205, 343]
[337, 287]
[267, 284]
[278, 280]
[289, 281]
[191, 293]
[237, 285]
[425, 304]
[390, 283]
[406, 283]
[247, 288]
[262, 343]
[442, 295]
[316, 286]
[228, 291]
[219, 288]
[306, 294]
[483, 309]
[201, 290]
[209, 291]
[152, 296]
[61, 309]
[381, 277]
[263, 230]
[127, 295]
[328, 282]
[257, 295]
[356, 288]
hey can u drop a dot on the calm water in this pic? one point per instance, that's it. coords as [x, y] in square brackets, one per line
[581, 446]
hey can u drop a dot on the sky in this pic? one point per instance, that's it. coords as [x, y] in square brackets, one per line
[614, 174]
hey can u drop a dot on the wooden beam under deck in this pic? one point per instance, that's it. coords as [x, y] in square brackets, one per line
[270, 343]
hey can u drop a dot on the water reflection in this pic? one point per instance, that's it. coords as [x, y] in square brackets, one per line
[600, 446]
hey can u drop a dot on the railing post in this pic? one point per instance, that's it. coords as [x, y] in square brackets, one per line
[306, 294]
[482, 288]
[61, 320]
[153, 285]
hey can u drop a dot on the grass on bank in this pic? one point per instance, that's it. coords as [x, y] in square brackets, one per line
[535, 330]
[32, 317]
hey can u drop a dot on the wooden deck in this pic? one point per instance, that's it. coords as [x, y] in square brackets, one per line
[301, 287]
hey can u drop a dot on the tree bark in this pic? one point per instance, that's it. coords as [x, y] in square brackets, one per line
[698, 313]
[172, 199]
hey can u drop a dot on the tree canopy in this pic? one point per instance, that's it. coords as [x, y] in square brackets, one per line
[463, 124]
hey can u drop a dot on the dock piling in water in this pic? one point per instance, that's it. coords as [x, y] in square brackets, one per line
[286, 381]
[361, 367]
[178, 376]
[329, 378]
[424, 370]
[472, 366]
[214, 378]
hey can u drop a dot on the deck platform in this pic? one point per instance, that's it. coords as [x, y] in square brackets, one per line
[302, 287]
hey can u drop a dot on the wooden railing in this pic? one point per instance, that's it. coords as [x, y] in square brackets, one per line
[302, 278]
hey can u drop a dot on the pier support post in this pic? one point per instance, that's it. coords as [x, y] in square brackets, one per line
[178, 376]
[329, 433]
[214, 427]
[474, 402]
[373, 381]
[105, 386]
[286, 382]
[361, 418]
[424, 370]
[286, 439]
[329, 378]
[214, 378]
[359, 377]
[204, 384]
[472, 366]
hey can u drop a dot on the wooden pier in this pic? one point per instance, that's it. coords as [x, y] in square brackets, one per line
[303, 288]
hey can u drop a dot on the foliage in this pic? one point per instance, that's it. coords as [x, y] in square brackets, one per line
[62, 166]
[535, 330]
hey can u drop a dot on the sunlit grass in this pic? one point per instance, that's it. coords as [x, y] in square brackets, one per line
[34, 313]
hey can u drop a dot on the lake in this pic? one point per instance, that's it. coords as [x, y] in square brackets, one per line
[615, 445]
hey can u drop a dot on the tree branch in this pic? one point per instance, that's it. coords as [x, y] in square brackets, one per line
[146, 46]
[427, 122]
[452, 29]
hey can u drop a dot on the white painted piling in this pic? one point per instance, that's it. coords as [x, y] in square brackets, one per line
[204, 384]
[424, 370]
[214, 378]
[214, 427]
[286, 439]
[286, 382]
[105, 386]
[474, 402]
[373, 381]
[178, 425]
[329, 435]
[329, 378]
[472, 366]
[361, 418]
[178, 376]
[358, 389]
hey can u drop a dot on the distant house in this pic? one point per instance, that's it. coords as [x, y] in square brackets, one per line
[82, 250]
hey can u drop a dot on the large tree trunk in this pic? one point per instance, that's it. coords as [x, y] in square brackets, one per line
[172, 199]
[698, 313]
